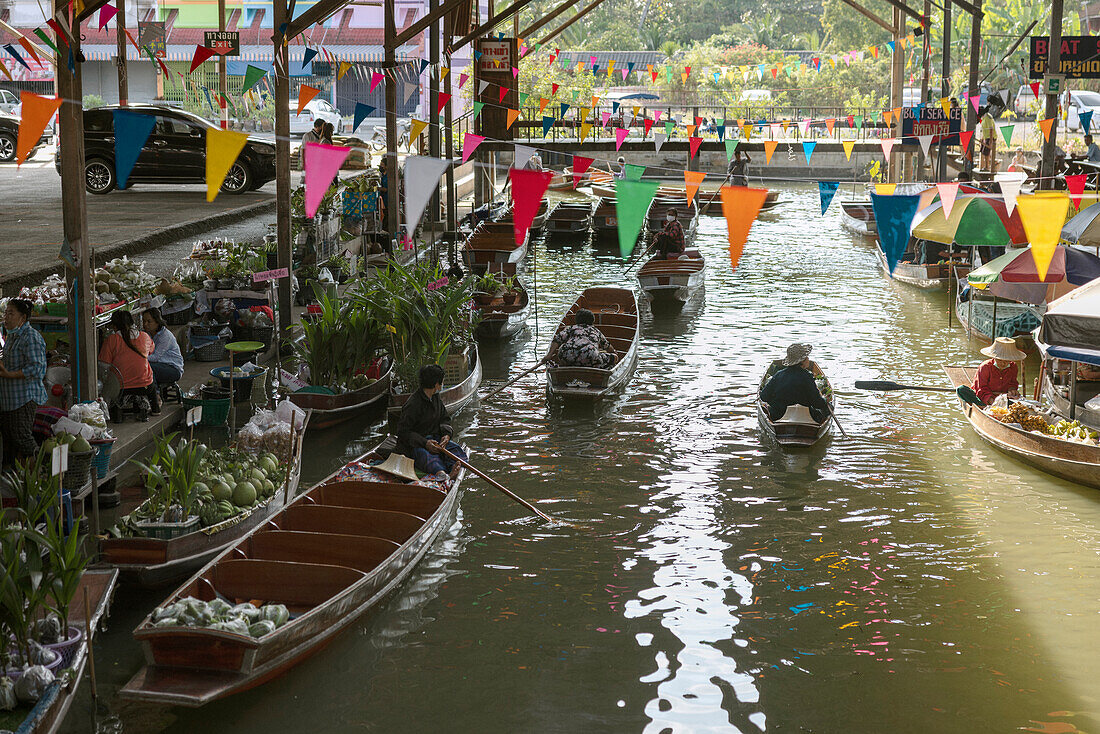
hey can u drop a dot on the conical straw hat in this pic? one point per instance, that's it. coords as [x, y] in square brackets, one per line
[399, 466]
[1004, 348]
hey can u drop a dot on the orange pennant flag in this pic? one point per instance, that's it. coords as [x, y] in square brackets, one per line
[30, 49]
[692, 179]
[829, 124]
[543, 101]
[305, 94]
[513, 115]
[1046, 126]
[691, 130]
[897, 114]
[740, 205]
[36, 112]
[888, 116]
[769, 148]
[7, 73]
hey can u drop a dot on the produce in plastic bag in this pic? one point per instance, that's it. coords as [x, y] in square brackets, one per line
[251, 438]
[276, 613]
[33, 683]
[277, 439]
[261, 628]
[48, 629]
[285, 409]
[237, 625]
[8, 700]
[247, 611]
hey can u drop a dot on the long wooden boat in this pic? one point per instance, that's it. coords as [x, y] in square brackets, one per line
[500, 320]
[933, 276]
[454, 397]
[602, 183]
[153, 562]
[796, 427]
[710, 202]
[327, 411]
[48, 714]
[616, 316]
[605, 221]
[569, 218]
[687, 213]
[1076, 462]
[858, 217]
[492, 244]
[329, 557]
[666, 282]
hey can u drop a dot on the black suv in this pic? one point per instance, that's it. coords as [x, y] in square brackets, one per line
[175, 152]
[9, 136]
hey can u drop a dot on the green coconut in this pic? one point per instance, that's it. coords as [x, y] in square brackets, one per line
[244, 494]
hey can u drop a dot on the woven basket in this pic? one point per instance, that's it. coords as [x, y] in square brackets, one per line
[203, 328]
[77, 473]
[213, 352]
[214, 412]
[264, 334]
[102, 460]
[179, 318]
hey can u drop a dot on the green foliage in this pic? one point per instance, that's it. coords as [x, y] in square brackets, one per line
[171, 476]
[91, 101]
[341, 341]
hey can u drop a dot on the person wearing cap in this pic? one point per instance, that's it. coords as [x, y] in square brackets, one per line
[621, 163]
[424, 427]
[795, 385]
[313, 135]
[534, 163]
[998, 375]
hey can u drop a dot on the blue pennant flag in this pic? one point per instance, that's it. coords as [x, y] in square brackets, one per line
[721, 132]
[629, 66]
[595, 68]
[15, 54]
[1086, 121]
[362, 112]
[614, 106]
[547, 123]
[131, 132]
[827, 190]
[564, 109]
[894, 218]
[423, 65]
[308, 55]
[808, 149]
[477, 55]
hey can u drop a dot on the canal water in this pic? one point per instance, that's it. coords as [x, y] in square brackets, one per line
[907, 578]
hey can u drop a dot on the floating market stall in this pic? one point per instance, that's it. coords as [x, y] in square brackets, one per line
[1070, 333]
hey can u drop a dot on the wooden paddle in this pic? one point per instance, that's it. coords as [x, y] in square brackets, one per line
[498, 485]
[715, 196]
[837, 421]
[515, 379]
[886, 385]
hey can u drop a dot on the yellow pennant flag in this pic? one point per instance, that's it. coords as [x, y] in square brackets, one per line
[636, 108]
[849, 146]
[785, 124]
[1046, 126]
[222, 149]
[885, 189]
[344, 66]
[945, 103]
[585, 129]
[584, 113]
[610, 67]
[513, 115]
[1043, 216]
[747, 128]
[769, 148]
[417, 127]
[443, 71]
[692, 179]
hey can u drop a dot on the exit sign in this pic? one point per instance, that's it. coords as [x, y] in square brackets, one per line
[223, 43]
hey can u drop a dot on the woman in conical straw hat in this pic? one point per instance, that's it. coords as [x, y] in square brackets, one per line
[998, 375]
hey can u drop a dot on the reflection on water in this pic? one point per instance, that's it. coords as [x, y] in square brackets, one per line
[907, 578]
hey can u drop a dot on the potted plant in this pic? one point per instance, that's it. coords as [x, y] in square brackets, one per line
[510, 295]
[486, 289]
[67, 561]
[171, 477]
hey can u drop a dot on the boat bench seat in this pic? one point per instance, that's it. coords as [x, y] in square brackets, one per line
[363, 553]
[797, 414]
[622, 346]
[617, 332]
[294, 584]
[395, 526]
[411, 498]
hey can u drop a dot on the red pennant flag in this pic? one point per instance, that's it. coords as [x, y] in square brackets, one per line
[30, 49]
[306, 93]
[775, 72]
[694, 143]
[444, 98]
[687, 71]
[503, 93]
[580, 166]
[553, 89]
[59, 33]
[528, 188]
[851, 121]
[375, 78]
[653, 73]
[1035, 89]
[740, 205]
[964, 141]
[132, 41]
[648, 125]
[202, 53]
[1076, 186]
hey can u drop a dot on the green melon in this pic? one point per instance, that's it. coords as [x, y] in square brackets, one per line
[244, 494]
[222, 491]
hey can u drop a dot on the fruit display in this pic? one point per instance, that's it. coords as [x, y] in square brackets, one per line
[245, 619]
[1074, 431]
[1029, 420]
[123, 279]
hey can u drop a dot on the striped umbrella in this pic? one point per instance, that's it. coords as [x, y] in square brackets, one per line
[975, 221]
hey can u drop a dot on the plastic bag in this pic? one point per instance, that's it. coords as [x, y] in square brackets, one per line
[276, 613]
[48, 629]
[277, 439]
[286, 409]
[1001, 401]
[236, 625]
[33, 683]
[8, 700]
[251, 438]
[261, 628]
[246, 611]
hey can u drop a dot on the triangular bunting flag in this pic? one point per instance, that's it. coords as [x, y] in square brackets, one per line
[826, 190]
[462, 79]
[1006, 133]
[1046, 126]
[740, 206]
[887, 146]
[375, 78]
[692, 179]
[322, 163]
[1076, 186]
[105, 14]
[469, 145]
[252, 77]
[693, 146]
[444, 98]
[131, 132]
[580, 167]
[421, 182]
[829, 123]
[1043, 215]
[769, 149]
[477, 108]
[808, 149]
[35, 112]
[964, 141]
[1086, 121]
[528, 188]
[925, 143]
[512, 116]
[362, 112]
[894, 217]
[620, 136]
[222, 149]
[342, 69]
[547, 123]
[202, 53]
[305, 94]
[731, 146]
[948, 192]
[659, 139]
[1010, 183]
[415, 128]
[632, 199]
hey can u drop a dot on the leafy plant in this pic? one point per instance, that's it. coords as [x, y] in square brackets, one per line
[488, 283]
[171, 476]
[341, 341]
[67, 562]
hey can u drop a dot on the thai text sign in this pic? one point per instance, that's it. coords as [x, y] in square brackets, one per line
[930, 120]
[270, 275]
[151, 35]
[496, 56]
[223, 43]
[1080, 57]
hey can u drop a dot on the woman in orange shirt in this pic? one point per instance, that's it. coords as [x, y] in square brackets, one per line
[128, 349]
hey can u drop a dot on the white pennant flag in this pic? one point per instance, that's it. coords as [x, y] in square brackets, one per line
[948, 192]
[421, 176]
[887, 145]
[481, 87]
[522, 155]
[1010, 182]
[659, 140]
[925, 142]
[408, 88]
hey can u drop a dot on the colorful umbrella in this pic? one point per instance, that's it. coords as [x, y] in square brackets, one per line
[1018, 266]
[975, 221]
[1084, 229]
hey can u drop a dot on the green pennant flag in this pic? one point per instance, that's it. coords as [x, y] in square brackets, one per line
[252, 77]
[668, 73]
[668, 127]
[633, 199]
[477, 108]
[45, 39]
[1006, 133]
[731, 145]
[633, 172]
[576, 93]
[859, 122]
[523, 98]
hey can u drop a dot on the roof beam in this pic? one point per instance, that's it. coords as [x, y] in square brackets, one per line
[868, 14]
[89, 9]
[314, 14]
[580, 14]
[409, 33]
[910, 12]
[490, 24]
[968, 7]
[526, 32]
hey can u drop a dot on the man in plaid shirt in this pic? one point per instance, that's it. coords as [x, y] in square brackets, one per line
[22, 370]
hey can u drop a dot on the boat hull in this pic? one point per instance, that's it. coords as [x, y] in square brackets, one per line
[454, 397]
[672, 283]
[1015, 320]
[793, 435]
[858, 217]
[616, 314]
[926, 277]
[327, 411]
[499, 321]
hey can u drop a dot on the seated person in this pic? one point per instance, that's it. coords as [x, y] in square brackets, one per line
[670, 240]
[997, 375]
[424, 427]
[128, 350]
[582, 345]
[166, 360]
[794, 385]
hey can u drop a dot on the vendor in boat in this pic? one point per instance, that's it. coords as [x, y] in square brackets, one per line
[424, 427]
[795, 385]
[670, 240]
[738, 167]
[22, 368]
[582, 345]
[998, 375]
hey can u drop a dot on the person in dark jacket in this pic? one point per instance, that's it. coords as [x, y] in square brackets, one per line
[424, 427]
[795, 385]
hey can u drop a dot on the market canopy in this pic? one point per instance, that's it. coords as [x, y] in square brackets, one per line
[1014, 276]
[975, 221]
[1073, 323]
[1084, 228]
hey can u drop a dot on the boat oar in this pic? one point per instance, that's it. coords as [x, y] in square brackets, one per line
[498, 485]
[714, 196]
[887, 385]
[837, 421]
[515, 379]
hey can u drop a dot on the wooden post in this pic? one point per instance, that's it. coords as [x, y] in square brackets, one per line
[282, 164]
[1054, 66]
[434, 131]
[945, 82]
[972, 85]
[82, 335]
[120, 45]
[222, 86]
[392, 218]
[897, 82]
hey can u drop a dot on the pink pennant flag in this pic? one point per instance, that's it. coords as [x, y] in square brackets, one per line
[515, 73]
[105, 14]
[625, 72]
[620, 136]
[606, 116]
[657, 115]
[322, 163]
[528, 188]
[462, 79]
[887, 146]
[375, 78]
[974, 101]
[948, 192]
[469, 145]
[1076, 186]
[580, 166]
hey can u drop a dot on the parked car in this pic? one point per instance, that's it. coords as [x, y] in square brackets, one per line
[174, 153]
[1076, 101]
[9, 135]
[1025, 98]
[8, 101]
[315, 108]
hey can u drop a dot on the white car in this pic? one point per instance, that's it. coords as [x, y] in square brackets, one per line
[8, 101]
[1081, 101]
[315, 109]
[1025, 98]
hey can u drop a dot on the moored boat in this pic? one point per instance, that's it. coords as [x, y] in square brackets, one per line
[858, 217]
[616, 316]
[605, 221]
[1077, 462]
[454, 396]
[328, 558]
[687, 213]
[931, 276]
[501, 320]
[1017, 320]
[569, 218]
[710, 202]
[327, 410]
[666, 282]
[797, 426]
[493, 243]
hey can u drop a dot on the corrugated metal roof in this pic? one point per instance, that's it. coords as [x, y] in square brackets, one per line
[621, 58]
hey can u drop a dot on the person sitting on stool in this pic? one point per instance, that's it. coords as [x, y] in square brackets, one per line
[795, 385]
[424, 427]
[166, 361]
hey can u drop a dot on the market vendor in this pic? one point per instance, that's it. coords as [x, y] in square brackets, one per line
[998, 375]
[128, 350]
[22, 370]
[424, 427]
[166, 360]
